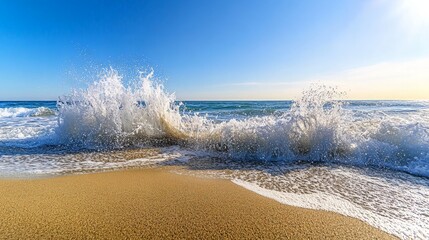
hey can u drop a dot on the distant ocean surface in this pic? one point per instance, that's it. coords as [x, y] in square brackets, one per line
[365, 159]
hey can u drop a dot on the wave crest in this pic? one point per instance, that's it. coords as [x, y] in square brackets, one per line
[108, 113]
[14, 112]
[316, 128]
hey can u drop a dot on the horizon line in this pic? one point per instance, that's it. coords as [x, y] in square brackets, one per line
[240, 100]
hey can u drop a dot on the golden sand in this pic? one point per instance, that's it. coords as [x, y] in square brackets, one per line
[154, 203]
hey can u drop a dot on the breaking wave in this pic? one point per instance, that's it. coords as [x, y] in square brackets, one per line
[13, 112]
[317, 128]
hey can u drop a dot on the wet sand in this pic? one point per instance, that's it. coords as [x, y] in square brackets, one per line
[157, 204]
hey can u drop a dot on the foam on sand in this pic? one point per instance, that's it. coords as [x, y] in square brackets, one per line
[329, 202]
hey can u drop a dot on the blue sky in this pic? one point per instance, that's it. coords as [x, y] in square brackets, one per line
[223, 49]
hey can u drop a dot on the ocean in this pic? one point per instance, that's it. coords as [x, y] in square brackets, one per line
[364, 159]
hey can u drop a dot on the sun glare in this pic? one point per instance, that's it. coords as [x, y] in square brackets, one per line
[414, 12]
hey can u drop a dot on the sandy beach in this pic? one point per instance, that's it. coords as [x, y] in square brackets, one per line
[157, 204]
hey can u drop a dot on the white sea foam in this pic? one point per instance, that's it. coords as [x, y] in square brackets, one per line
[393, 201]
[411, 226]
[48, 162]
[110, 114]
[25, 112]
[317, 128]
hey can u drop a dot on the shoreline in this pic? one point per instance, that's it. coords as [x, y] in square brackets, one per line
[155, 203]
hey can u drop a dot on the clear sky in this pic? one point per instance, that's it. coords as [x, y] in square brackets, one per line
[222, 49]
